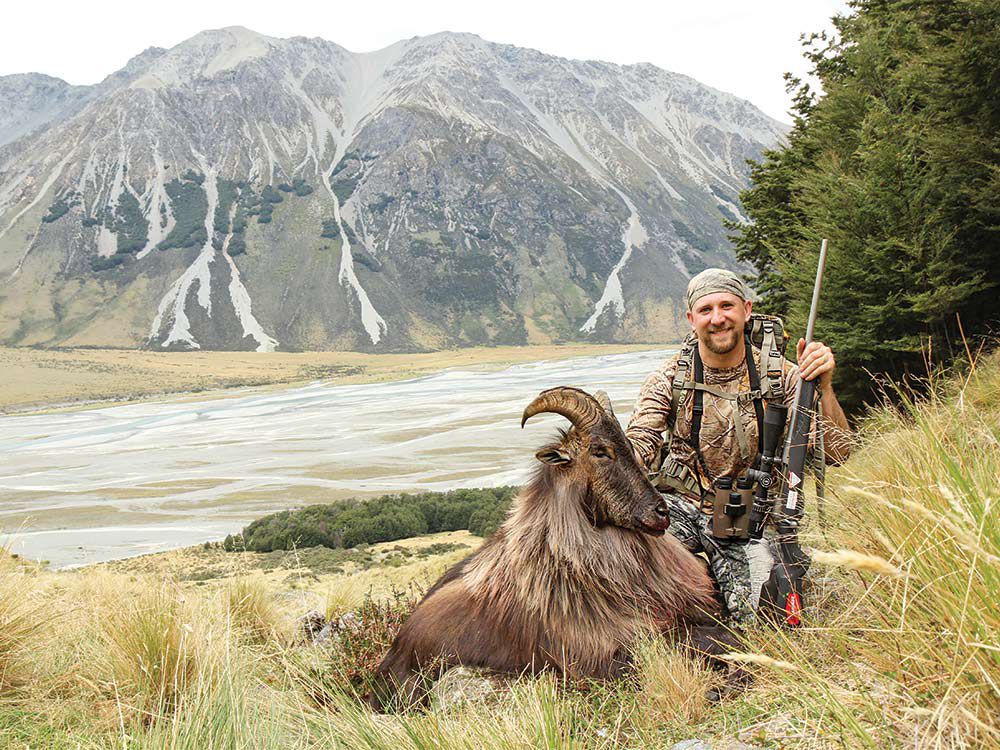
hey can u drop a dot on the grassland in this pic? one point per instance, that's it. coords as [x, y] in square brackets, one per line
[197, 648]
[52, 378]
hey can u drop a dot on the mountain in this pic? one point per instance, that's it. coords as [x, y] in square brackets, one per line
[240, 191]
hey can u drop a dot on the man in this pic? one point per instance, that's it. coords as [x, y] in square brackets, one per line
[724, 444]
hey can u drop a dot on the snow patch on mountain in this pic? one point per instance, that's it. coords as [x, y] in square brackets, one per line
[174, 301]
[373, 323]
[241, 297]
[634, 236]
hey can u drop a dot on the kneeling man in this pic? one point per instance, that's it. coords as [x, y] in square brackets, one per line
[719, 439]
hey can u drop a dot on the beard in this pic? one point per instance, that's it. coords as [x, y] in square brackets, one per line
[721, 344]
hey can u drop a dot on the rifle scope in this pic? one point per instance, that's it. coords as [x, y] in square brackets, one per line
[774, 426]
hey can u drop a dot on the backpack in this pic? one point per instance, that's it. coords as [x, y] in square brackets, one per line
[763, 333]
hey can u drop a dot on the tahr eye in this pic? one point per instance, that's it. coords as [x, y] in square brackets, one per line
[599, 451]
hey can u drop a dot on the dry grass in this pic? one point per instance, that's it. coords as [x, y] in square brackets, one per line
[252, 612]
[911, 656]
[672, 688]
[153, 648]
[22, 621]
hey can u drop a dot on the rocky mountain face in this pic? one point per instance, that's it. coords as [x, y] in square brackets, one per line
[244, 192]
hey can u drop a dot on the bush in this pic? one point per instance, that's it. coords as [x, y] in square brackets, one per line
[130, 225]
[270, 195]
[98, 264]
[57, 210]
[330, 229]
[190, 204]
[349, 523]
[344, 188]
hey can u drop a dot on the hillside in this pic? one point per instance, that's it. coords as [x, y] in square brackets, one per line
[243, 192]
[197, 648]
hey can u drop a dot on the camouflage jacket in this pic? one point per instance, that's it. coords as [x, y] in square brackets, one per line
[719, 444]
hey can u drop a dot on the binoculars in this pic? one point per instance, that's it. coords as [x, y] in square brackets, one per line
[740, 513]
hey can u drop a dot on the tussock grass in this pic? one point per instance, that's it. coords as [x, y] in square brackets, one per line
[672, 687]
[21, 621]
[911, 657]
[252, 612]
[156, 648]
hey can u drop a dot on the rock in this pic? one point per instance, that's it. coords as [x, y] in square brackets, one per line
[324, 636]
[311, 623]
[696, 744]
[462, 685]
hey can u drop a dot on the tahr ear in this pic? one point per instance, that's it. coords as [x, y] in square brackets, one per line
[555, 455]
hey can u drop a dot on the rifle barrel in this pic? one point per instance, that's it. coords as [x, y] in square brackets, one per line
[814, 308]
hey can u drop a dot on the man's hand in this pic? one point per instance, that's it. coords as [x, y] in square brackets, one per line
[816, 360]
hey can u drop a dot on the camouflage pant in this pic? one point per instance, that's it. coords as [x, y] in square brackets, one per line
[729, 562]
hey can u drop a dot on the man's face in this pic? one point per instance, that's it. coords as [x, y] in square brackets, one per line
[719, 320]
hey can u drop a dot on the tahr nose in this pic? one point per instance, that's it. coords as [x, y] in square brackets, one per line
[661, 509]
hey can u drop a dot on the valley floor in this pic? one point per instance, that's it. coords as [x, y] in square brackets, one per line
[48, 379]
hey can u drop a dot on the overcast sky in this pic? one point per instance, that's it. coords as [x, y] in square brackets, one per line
[737, 46]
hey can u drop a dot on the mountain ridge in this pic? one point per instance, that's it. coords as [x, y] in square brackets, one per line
[590, 191]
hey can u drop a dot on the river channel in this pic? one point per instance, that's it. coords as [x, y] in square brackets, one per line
[113, 482]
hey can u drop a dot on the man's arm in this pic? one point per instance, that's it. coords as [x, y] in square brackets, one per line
[817, 361]
[651, 414]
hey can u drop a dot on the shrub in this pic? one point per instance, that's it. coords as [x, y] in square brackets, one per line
[130, 225]
[349, 523]
[364, 639]
[57, 210]
[330, 229]
[270, 195]
[98, 264]
[190, 204]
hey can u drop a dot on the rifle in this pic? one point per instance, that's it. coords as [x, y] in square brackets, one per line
[781, 597]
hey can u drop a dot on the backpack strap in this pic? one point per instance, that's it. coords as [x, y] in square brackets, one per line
[771, 356]
[758, 401]
[688, 378]
[683, 381]
[672, 474]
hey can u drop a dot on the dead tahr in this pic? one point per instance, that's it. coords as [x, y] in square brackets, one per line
[578, 570]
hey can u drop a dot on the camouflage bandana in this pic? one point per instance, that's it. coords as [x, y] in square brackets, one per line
[713, 280]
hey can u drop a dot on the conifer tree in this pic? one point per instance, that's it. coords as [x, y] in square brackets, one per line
[898, 164]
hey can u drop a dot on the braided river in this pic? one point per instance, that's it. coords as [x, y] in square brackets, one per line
[106, 483]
